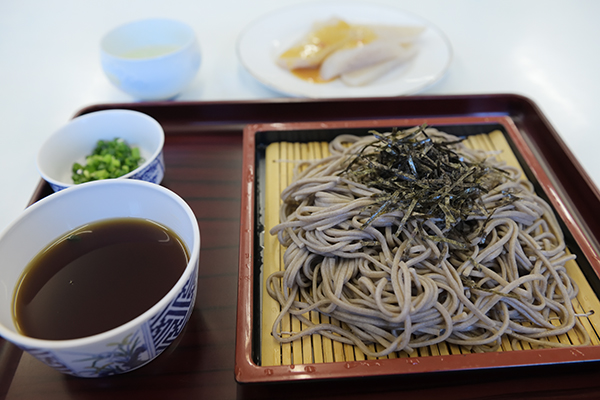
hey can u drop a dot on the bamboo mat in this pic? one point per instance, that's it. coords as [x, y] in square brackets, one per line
[279, 159]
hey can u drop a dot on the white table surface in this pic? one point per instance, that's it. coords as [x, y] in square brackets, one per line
[547, 50]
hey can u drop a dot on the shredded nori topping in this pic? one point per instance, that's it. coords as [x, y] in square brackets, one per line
[424, 177]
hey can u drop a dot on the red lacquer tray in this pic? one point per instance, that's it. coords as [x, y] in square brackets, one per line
[204, 164]
[249, 367]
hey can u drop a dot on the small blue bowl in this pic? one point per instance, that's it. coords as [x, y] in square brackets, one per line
[76, 140]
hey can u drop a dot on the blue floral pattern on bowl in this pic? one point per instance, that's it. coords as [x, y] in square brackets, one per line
[121, 357]
[153, 172]
[57, 187]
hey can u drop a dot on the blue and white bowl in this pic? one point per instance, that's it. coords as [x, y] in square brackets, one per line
[136, 342]
[77, 139]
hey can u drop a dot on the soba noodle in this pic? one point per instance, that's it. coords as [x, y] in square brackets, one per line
[402, 283]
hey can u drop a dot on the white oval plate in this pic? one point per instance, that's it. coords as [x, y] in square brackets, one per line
[265, 39]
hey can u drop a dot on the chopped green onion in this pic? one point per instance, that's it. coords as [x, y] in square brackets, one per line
[109, 159]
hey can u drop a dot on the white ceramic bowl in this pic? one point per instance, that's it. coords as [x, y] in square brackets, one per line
[76, 140]
[59, 213]
[151, 59]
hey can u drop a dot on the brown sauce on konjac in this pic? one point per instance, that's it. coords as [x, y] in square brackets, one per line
[98, 277]
[311, 75]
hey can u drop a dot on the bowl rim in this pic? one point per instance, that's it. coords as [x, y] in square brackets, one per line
[103, 114]
[191, 40]
[29, 342]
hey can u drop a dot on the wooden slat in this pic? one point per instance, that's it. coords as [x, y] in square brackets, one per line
[286, 348]
[271, 351]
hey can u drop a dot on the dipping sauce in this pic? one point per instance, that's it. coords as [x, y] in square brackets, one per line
[97, 277]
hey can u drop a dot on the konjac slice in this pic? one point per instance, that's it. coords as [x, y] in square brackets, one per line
[353, 59]
[323, 39]
[368, 74]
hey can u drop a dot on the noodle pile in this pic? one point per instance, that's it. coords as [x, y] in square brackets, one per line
[404, 278]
